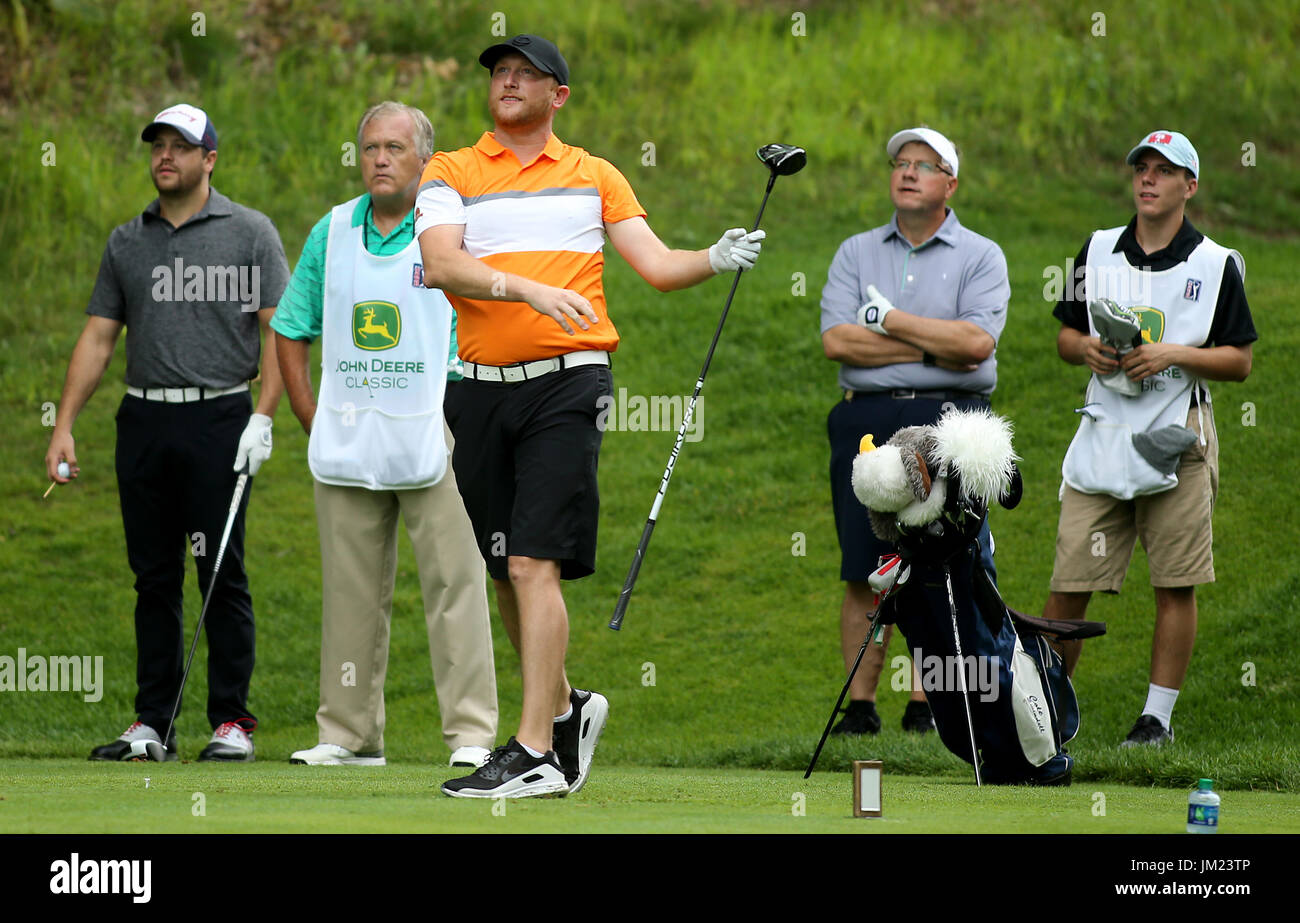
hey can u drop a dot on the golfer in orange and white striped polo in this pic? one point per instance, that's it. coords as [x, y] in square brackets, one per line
[512, 230]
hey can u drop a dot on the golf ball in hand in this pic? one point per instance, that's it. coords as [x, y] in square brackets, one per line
[64, 470]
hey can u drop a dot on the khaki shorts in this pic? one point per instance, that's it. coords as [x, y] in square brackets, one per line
[1096, 533]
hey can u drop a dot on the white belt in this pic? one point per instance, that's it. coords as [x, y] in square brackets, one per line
[524, 371]
[184, 395]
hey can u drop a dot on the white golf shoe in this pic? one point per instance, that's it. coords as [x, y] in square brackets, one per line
[230, 743]
[334, 755]
[473, 757]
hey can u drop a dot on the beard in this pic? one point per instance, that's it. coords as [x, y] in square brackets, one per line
[519, 116]
[177, 184]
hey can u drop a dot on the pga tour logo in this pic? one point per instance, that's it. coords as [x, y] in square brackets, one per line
[1192, 292]
[417, 275]
[75, 875]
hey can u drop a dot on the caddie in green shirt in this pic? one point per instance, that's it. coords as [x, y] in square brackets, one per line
[378, 448]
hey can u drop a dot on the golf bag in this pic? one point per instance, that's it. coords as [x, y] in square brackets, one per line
[1023, 710]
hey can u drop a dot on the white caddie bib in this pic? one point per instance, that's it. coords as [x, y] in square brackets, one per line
[384, 345]
[1175, 305]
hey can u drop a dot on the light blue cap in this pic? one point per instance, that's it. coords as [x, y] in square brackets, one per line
[1171, 145]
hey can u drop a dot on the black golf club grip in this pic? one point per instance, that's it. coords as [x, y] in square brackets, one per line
[620, 608]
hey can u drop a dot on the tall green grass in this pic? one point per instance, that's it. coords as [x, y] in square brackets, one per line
[738, 631]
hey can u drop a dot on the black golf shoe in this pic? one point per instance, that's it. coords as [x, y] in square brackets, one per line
[859, 718]
[511, 772]
[1148, 731]
[576, 738]
[120, 749]
[917, 718]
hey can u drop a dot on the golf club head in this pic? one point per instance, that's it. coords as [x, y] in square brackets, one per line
[783, 159]
[148, 750]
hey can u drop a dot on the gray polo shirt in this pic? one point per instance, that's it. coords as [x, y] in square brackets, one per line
[955, 275]
[189, 296]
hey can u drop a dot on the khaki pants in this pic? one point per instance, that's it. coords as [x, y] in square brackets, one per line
[358, 537]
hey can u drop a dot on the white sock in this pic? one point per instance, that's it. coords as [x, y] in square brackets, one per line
[1160, 703]
[537, 755]
[566, 716]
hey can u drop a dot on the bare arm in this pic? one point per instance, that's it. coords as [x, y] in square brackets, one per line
[90, 357]
[268, 397]
[447, 266]
[293, 357]
[667, 270]
[856, 345]
[1214, 363]
[1078, 348]
[960, 343]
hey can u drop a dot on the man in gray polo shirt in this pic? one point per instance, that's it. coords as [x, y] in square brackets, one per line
[191, 279]
[912, 311]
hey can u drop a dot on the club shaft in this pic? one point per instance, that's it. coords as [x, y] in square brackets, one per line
[871, 630]
[240, 484]
[625, 596]
[961, 675]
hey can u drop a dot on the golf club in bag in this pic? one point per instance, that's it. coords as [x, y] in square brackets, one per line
[1001, 698]
[150, 749]
[780, 160]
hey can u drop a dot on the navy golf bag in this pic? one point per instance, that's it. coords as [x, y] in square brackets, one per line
[1022, 707]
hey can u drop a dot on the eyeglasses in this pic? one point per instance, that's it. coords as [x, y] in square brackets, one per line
[928, 167]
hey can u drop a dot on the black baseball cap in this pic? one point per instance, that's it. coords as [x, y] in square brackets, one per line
[540, 51]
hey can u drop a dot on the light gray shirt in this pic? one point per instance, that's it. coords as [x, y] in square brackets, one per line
[189, 296]
[955, 275]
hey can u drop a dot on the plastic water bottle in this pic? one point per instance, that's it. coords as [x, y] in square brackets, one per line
[1203, 808]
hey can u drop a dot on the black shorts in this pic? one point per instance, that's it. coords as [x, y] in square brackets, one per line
[525, 461]
[882, 415]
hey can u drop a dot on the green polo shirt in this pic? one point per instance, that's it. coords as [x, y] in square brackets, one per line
[298, 316]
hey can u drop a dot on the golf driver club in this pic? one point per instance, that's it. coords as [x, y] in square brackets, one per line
[151, 749]
[781, 160]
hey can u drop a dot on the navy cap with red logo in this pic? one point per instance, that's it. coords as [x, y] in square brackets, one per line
[192, 122]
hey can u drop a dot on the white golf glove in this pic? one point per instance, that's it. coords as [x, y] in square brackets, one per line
[872, 314]
[255, 443]
[736, 249]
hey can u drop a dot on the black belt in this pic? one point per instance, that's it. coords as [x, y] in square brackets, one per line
[907, 394]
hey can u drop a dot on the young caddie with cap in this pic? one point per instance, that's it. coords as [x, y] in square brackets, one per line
[378, 451]
[194, 280]
[512, 229]
[912, 312]
[1162, 305]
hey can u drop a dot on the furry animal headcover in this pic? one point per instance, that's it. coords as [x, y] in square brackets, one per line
[907, 482]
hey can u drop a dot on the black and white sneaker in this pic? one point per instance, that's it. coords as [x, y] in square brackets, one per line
[1148, 731]
[576, 738]
[511, 772]
[230, 743]
[120, 749]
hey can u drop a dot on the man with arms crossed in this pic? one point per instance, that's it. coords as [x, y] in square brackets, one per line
[912, 311]
[512, 229]
[1188, 295]
[191, 279]
[379, 450]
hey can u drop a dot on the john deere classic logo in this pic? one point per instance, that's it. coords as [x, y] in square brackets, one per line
[376, 325]
[1153, 323]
